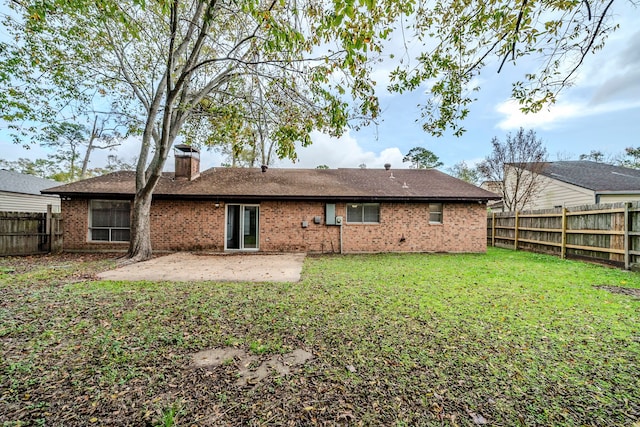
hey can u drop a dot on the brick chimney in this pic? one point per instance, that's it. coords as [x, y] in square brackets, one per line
[187, 162]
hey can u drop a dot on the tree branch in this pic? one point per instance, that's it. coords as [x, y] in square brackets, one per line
[124, 67]
[515, 35]
[592, 40]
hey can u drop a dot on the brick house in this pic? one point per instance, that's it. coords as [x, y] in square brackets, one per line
[281, 210]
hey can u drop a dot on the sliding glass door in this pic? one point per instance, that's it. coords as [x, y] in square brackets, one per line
[242, 227]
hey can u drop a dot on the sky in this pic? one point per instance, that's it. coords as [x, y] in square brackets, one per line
[601, 112]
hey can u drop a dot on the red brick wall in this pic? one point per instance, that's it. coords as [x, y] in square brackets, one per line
[75, 224]
[187, 225]
[281, 228]
[175, 225]
[199, 225]
[404, 227]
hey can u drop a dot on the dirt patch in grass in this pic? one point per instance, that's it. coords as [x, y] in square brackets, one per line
[251, 368]
[620, 290]
[27, 263]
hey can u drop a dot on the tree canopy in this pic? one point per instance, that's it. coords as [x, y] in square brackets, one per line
[421, 158]
[631, 158]
[466, 173]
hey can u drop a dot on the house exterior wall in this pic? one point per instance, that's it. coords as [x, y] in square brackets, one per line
[178, 225]
[75, 229]
[549, 193]
[199, 225]
[557, 193]
[523, 186]
[281, 228]
[16, 202]
[405, 227]
[175, 225]
[617, 198]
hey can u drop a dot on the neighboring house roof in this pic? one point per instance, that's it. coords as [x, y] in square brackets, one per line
[14, 182]
[290, 184]
[598, 177]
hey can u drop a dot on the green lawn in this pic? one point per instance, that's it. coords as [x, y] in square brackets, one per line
[503, 338]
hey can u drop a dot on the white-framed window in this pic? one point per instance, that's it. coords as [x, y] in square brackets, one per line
[366, 213]
[435, 213]
[109, 220]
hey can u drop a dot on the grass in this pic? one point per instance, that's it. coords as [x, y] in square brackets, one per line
[503, 338]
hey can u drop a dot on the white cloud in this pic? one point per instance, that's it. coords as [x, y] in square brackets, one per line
[552, 116]
[545, 119]
[344, 152]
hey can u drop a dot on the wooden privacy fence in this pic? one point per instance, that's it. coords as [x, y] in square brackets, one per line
[30, 233]
[602, 233]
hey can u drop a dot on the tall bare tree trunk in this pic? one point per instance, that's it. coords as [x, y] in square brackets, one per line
[87, 154]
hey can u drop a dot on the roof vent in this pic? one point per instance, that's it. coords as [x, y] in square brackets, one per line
[391, 176]
[264, 168]
[387, 166]
[404, 185]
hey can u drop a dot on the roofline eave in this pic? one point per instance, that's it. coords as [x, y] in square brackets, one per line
[27, 194]
[614, 192]
[254, 197]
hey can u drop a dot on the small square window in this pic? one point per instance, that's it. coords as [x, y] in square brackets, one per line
[363, 213]
[435, 213]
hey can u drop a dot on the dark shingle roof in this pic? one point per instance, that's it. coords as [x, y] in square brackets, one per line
[599, 177]
[15, 182]
[291, 184]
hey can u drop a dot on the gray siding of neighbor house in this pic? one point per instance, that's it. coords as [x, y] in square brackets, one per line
[15, 202]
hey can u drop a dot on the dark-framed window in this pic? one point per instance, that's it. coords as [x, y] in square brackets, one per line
[364, 213]
[435, 213]
[109, 220]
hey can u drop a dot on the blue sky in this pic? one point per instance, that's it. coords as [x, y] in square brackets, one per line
[600, 112]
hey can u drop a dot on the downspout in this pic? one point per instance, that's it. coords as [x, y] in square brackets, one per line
[341, 237]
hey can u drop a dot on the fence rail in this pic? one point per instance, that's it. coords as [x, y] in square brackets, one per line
[30, 233]
[603, 233]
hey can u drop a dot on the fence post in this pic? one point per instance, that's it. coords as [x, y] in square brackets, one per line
[563, 247]
[493, 229]
[515, 240]
[49, 227]
[627, 240]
